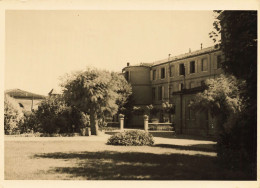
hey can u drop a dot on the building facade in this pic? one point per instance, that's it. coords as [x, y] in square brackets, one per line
[27, 101]
[176, 80]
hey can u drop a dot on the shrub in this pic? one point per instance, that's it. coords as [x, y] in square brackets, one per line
[55, 116]
[131, 138]
[13, 115]
[37, 134]
[237, 148]
[30, 123]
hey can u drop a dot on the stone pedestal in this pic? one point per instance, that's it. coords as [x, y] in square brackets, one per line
[146, 118]
[88, 131]
[121, 121]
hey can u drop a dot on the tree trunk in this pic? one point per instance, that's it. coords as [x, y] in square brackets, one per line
[93, 123]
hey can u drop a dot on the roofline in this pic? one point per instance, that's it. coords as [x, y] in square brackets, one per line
[165, 61]
[145, 66]
[186, 57]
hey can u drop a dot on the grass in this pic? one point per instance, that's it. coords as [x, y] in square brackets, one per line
[92, 159]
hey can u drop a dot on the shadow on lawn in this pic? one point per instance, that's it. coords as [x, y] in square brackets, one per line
[195, 147]
[108, 165]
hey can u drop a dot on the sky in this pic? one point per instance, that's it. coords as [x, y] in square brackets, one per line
[42, 46]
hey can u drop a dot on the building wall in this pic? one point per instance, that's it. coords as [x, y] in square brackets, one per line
[190, 80]
[163, 82]
[139, 78]
[28, 104]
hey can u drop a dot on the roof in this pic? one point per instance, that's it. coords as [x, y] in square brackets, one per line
[178, 57]
[18, 93]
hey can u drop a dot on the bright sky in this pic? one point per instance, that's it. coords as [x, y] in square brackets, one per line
[42, 46]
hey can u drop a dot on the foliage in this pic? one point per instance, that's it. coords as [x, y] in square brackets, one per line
[221, 97]
[236, 35]
[236, 148]
[167, 107]
[131, 138]
[138, 110]
[55, 116]
[30, 123]
[149, 110]
[13, 115]
[123, 89]
[97, 93]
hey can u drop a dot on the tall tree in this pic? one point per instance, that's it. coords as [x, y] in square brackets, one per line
[97, 93]
[235, 32]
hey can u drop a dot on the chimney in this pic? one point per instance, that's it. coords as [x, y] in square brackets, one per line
[189, 50]
[201, 46]
[128, 64]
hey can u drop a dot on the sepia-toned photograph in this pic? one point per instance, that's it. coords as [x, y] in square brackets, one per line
[130, 95]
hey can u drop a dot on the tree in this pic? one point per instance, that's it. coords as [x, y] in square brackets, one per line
[13, 115]
[123, 89]
[97, 93]
[55, 116]
[235, 32]
[221, 98]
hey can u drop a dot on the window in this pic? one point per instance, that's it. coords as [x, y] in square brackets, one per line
[202, 83]
[153, 93]
[192, 67]
[171, 71]
[127, 75]
[170, 91]
[181, 87]
[154, 74]
[218, 61]
[21, 105]
[204, 64]
[182, 69]
[162, 73]
[160, 92]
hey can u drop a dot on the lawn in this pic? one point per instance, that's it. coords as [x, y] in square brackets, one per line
[89, 158]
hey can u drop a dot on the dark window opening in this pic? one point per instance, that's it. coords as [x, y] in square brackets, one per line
[21, 105]
[162, 73]
[127, 75]
[203, 83]
[154, 74]
[171, 71]
[192, 67]
[181, 87]
[182, 69]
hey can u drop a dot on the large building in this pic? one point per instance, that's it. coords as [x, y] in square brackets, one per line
[175, 80]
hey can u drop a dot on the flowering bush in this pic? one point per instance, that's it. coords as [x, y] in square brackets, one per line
[131, 138]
